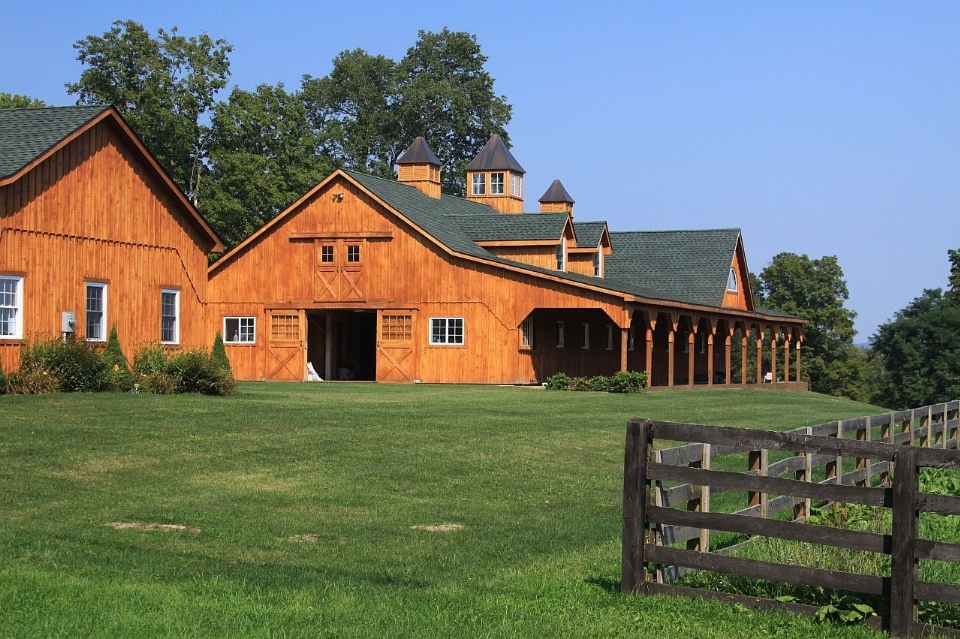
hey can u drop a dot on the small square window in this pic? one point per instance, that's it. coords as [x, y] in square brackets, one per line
[446, 331]
[479, 185]
[496, 184]
[239, 330]
[353, 253]
[326, 253]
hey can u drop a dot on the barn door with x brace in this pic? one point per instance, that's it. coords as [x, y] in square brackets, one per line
[396, 346]
[285, 346]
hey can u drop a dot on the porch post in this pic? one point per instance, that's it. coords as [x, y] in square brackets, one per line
[786, 359]
[760, 356]
[728, 342]
[328, 355]
[710, 359]
[624, 337]
[648, 345]
[691, 350]
[799, 341]
[773, 356]
[670, 339]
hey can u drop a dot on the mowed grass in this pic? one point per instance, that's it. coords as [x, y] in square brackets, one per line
[346, 510]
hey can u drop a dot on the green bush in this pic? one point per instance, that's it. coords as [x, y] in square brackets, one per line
[32, 379]
[192, 368]
[159, 383]
[560, 381]
[579, 384]
[77, 364]
[149, 360]
[598, 383]
[190, 371]
[218, 356]
[3, 382]
[627, 382]
[117, 373]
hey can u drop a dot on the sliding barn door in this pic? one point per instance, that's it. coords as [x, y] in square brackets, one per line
[396, 347]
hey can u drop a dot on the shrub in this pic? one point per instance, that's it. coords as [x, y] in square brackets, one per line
[193, 368]
[149, 360]
[628, 382]
[560, 381]
[3, 382]
[77, 364]
[117, 373]
[32, 379]
[579, 384]
[159, 383]
[218, 356]
[598, 383]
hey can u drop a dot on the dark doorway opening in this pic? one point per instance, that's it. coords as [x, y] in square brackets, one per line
[342, 344]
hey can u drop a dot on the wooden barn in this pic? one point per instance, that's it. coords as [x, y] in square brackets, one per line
[370, 279]
[93, 229]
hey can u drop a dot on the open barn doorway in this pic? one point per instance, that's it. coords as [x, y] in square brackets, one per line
[342, 344]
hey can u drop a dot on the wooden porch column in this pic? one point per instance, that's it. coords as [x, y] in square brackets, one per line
[799, 341]
[760, 356]
[624, 337]
[648, 337]
[728, 343]
[710, 359]
[691, 351]
[743, 355]
[786, 359]
[773, 356]
[670, 339]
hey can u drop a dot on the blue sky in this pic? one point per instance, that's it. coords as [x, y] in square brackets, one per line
[825, 128]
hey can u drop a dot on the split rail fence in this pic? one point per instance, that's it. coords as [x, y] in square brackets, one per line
[881, 472]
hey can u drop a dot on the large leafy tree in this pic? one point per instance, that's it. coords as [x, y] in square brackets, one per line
[163, 86]
[815, 289]
[262, 155]
[369, 108]
[17, 101]
[920, 349]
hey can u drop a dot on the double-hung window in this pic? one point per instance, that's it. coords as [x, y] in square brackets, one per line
[11, 307]
[516, 185]
[169, 316]
[479, 186]
[96, 314]
[586, 335]
[609, 337]
[560, 335]
[562, 255]
[446, 331]
[496, 184]
[240, 330]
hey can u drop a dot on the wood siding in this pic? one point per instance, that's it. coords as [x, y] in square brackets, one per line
[740, 298]
[399, 269]
[95, 211]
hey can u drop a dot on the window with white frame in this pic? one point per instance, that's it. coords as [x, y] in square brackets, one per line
[11, 307]
[732, 281]
[516, 185]
[479, 186]
[240, 330]
[169, 316]
[560, 336]
[526, 334]
[562, 255]
[446, 331]
[598, 263]
[609, 337]
[496, 184]
[586, 335]
[96, 313]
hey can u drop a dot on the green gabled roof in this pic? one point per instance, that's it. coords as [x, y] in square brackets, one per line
[686, 266]
[500, 226]
[588, 233]
[26, 134]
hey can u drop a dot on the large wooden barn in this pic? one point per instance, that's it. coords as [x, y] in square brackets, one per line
[370, 279]
[92, 227]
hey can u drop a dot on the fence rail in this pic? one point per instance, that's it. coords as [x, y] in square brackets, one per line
[652, 522]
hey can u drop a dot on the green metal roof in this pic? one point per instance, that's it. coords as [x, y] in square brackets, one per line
[26, 134]
[500, 226]
[689, 266]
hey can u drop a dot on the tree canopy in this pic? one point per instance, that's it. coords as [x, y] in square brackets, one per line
[17, 101]
[920, 349]
[162, 86]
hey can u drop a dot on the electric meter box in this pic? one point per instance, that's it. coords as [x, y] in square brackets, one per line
[68, 322]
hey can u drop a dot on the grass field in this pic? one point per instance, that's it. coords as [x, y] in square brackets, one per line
[346, 510]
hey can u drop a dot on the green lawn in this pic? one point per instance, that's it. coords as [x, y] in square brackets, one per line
[312, 510]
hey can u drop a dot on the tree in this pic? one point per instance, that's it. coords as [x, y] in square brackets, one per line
[17, 101]
[162, 86]
[263, 156]
[919, 347]
[815, 289]
[370, 108]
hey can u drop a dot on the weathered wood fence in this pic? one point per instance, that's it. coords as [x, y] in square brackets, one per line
[908, 441]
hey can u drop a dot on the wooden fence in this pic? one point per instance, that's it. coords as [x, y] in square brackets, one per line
[908, 441]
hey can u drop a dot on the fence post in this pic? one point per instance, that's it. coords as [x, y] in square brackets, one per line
[886, 433]
[834, 469]
[903, 565]
[655, 534]
[757, 460]
[864, 434]
[705, 500]
[634, 502]
[802, 509]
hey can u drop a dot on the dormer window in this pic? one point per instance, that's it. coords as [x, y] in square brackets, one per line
[479, 184]
[496, 184]
[516, 185]
[732, 281]
[598, 263]
[562, 255]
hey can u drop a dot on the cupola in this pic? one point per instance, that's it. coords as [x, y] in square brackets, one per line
[556, 200]
[419, 167]
[495, 177]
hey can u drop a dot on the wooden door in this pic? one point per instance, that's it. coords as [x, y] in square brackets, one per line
[339, 271]
[286, 348]
[396, 346]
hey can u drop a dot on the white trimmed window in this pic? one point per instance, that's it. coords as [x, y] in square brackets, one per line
[516, 185]
[560, 335]
[598, 263]
[446, 331]
[169, 316]
[240, 330]
[609, 337]
[496, 184]
[11, 307]
[586, 335]
[479, 184]
[96, 313]
[562, 255]
[732, 281]
[526, 334]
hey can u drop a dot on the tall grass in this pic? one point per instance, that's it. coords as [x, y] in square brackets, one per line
[341, 510]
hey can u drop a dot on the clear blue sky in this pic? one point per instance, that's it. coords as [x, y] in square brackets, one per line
[825, 128]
